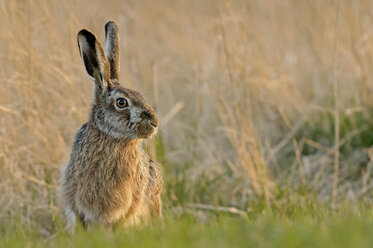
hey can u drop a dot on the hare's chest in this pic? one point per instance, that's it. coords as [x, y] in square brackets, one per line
[102, 191]
[101, 179]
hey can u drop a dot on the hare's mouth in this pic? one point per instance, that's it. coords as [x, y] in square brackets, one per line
[147, 129]
[152, 132]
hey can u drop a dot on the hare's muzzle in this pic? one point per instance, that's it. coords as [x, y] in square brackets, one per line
[151, 118]
[149, 124]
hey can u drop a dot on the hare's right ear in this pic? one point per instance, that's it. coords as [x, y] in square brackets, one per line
[94, 60]
[112, 49]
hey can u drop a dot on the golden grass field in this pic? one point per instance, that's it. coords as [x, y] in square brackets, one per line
[255, 98]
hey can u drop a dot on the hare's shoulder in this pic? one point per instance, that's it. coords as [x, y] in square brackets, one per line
[154, 168]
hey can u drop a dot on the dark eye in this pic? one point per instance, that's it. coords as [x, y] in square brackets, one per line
[122, 103]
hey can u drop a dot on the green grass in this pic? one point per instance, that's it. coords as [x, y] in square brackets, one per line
[294, 219]
[298, 226]
[321, 129]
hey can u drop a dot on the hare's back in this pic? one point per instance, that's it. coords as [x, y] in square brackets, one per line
[68, 174]
[79, 140]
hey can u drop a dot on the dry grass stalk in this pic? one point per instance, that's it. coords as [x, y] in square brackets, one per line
[336, 108]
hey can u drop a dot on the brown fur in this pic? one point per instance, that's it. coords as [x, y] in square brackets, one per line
[109, 178]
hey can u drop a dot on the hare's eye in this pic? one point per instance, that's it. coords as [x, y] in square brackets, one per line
[122, 103]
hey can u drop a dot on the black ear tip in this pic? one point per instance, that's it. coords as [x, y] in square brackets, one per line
[110, 25]
[90, 38]
[85, 33]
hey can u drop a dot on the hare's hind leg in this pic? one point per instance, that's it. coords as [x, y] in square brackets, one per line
[70, 221]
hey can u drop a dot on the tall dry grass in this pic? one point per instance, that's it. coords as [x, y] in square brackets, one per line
[251, 96]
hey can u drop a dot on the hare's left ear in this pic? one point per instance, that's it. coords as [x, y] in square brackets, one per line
[112, 49]
[94, 60]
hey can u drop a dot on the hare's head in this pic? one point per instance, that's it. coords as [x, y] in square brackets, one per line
[117, 111]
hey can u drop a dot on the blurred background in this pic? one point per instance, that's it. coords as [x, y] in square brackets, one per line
[260, 102]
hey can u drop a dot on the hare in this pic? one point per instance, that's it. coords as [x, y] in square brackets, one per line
[109, 177]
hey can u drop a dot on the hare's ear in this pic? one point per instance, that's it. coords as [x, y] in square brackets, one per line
[94, 59]
[112, 49]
